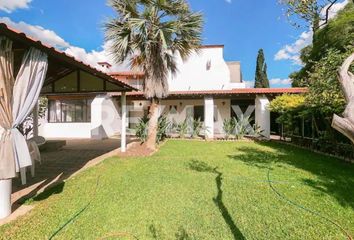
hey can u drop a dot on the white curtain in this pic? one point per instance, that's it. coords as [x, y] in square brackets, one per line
[25, 93]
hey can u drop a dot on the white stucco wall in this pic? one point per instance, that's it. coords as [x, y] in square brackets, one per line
[222, 106]
[105, 122]
[262, 114]
[105, 117]
[193, 74]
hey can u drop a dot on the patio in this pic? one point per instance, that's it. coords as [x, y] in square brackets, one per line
[59, 165]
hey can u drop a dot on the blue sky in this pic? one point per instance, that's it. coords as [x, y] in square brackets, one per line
[243, 26]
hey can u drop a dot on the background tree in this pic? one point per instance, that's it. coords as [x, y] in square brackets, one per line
[261, 78]
[150, 34]
[314, 12]
[333, 44]
[337, 35]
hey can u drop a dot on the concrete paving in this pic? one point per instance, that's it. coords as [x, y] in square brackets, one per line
[59, 165]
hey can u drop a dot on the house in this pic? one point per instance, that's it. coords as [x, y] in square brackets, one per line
[84, 102]
[206, 87]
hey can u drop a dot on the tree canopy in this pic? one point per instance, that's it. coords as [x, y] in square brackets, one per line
[332, 45]
[314, 12]
[149, 33]
[337, 35]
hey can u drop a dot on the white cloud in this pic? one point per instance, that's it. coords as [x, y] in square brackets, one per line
[292, 51]
[46, 36]
[279, 81]
[49, 37]
[93, 57]
[11, 5]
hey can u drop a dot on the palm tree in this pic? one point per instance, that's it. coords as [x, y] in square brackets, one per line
[150, 34]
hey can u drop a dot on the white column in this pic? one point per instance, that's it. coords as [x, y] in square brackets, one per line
[35, 120]
[123, 140]
[209, 117]
[5, 198]
[263, 114]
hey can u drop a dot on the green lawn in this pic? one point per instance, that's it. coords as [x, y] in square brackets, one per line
[200, 190]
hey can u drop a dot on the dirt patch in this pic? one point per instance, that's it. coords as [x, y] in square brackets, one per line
[136, 149]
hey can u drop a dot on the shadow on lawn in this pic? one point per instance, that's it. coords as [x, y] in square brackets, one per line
[181, 234]
[333, 177]
[203, 167]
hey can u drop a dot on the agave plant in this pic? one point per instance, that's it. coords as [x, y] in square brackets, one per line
[141, 130]
[197, 127]
[229, 127]
[163, 127]
[257, 131]
[182, 128]
[242, 126]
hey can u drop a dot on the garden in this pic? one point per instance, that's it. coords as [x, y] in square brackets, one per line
[199, 190]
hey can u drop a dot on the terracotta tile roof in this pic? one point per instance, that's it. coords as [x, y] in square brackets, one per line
[51, 51]
[127, 74]
[213, 46]
[238, 91]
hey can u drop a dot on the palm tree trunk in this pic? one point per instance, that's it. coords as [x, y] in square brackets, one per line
[153, 124]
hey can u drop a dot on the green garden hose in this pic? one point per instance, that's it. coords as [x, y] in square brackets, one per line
[78, 213]
[280, 195]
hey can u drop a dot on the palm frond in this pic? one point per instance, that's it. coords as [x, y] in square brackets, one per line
[149, 34]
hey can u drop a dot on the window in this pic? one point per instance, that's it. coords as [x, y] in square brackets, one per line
[69, 110]
[67, 83]
[199, 113]
[90, 83]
